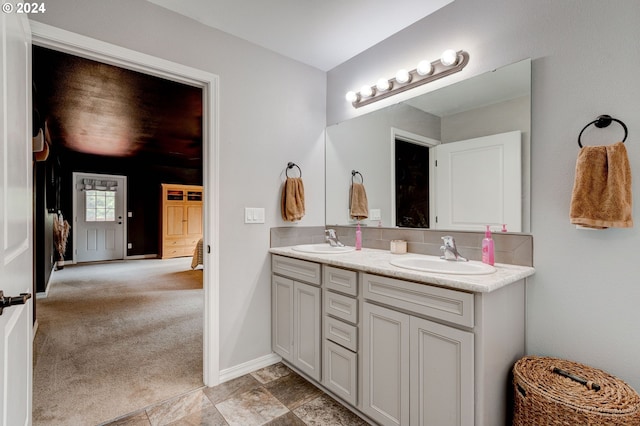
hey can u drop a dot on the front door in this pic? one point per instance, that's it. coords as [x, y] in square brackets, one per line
[16, 218]
[99, 210]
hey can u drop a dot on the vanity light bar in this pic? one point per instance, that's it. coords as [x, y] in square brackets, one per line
[449, 63]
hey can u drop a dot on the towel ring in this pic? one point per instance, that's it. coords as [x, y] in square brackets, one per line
[601, 122]
[291, 165]
[354, 173]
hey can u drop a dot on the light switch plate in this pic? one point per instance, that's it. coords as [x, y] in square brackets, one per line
[254, 215]
[375, 214]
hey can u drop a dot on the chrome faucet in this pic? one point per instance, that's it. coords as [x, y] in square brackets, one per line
[449, 250]
[331, 237]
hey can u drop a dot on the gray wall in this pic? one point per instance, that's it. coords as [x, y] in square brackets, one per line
[582, 303]
[272, 110]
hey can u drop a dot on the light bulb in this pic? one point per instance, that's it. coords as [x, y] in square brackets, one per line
[383, 85]
[351, 96]
[449, 57]
[366, 91]
[424, 68]
[403, 76]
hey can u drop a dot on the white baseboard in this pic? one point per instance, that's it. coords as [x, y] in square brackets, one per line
[249, 366]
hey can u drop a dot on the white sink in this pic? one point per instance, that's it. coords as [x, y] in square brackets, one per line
[322, 248]
[441, 266]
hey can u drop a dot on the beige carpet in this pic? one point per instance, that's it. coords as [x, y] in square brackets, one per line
[115, 337]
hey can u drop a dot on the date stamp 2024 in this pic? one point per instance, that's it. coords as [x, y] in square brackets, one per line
[28, 8]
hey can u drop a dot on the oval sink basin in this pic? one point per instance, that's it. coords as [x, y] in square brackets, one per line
[322, 249]
[441, 266]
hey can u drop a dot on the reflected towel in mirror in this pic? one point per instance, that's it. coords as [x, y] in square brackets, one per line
[358, 204]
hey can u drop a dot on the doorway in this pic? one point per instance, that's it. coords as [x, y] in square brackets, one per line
[53, 38]
[99, 205]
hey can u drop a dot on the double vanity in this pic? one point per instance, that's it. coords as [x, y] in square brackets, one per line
[402, 339]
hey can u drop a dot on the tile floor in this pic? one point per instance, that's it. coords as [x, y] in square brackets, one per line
[273, 396]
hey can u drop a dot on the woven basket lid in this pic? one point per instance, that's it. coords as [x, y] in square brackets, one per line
[614, 396]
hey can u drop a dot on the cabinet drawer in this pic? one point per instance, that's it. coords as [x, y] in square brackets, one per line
[340, 280]
[436, 302]
[296, 268]
[341, 333]
[341, 306]
[340, 372]
[174, 242]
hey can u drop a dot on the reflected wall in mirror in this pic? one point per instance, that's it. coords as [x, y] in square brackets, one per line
[487, 106]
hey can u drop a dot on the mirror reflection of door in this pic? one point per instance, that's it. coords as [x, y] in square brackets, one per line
[479, 183]
[99, 211]
[411, 184]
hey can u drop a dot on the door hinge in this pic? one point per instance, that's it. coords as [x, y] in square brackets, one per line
[436, 219]
[208, 248]
[436, 163]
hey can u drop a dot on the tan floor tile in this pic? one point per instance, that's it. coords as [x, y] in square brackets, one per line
[208, 416]
[272, 372]
[175, 409]
[324, 411]
[231, 388]
[254, 407]
[293, 390]
[136, 419]
[288, 419]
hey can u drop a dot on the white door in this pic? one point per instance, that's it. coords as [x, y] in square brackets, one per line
[478, 183]
[99, 212]
[16, 219]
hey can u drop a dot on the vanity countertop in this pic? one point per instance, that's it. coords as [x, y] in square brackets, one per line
[377, 262]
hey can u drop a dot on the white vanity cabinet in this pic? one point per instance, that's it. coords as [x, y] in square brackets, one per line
[398, 347]
[296, 314]
[340, 342]
[416, 371]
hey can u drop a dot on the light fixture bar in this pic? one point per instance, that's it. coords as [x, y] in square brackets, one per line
[439, 71]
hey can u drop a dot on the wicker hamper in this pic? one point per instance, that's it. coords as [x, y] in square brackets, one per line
[552, 391]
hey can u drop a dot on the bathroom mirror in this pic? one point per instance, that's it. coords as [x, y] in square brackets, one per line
[493, 103]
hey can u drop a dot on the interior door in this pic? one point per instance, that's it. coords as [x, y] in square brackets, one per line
[16, 219]
[479, 183]
[99, 217]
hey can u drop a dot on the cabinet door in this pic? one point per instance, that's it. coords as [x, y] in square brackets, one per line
[441, 370]
[306, 329]
[282, 317]
[193, 217]
[174, 216]
[340, 372]
[385, 376]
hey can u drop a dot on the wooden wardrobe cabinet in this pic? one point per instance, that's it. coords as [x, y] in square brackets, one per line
[181, 218]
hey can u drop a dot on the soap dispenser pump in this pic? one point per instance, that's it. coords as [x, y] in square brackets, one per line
[488, 253]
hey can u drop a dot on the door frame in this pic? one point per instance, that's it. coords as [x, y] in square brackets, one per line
[74, 176]
[65, 41]
[417, 139]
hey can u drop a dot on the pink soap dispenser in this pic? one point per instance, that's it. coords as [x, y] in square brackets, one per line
[358, 237]
[487, 248]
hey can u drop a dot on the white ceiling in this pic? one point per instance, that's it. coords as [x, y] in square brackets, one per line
[321, 33]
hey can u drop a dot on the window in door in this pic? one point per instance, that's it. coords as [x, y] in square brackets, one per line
[100, 206]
